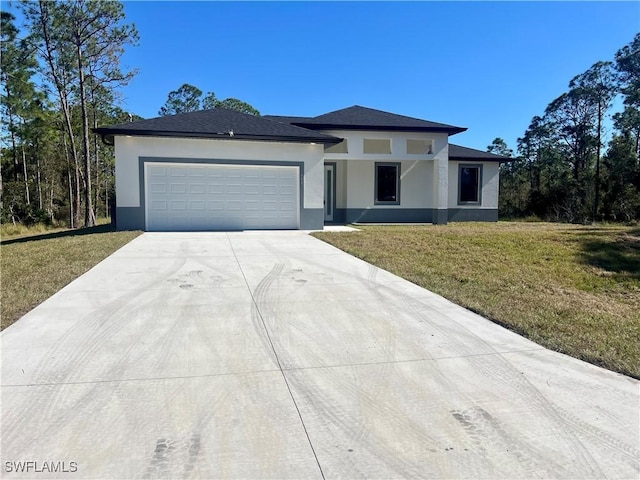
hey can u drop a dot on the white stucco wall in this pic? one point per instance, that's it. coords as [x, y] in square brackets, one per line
[129, 149]
[418, 187]
[490, 184]
[355, 144]
[358, 185]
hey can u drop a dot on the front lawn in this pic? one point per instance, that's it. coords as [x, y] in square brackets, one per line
[35, 267]
[574, 289]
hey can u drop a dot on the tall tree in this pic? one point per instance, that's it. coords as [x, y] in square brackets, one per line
[627, 65]
[628, 122]
[183, 100]
[188, 99]
[499, 147]
[99, 37]
[598, 84]
[80, 42]
[210, 101]
[237, 105]
[17, 98]
[572, 119]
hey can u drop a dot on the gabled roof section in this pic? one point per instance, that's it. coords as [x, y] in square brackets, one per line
[218, 123]
[363, 118]
[458, 152]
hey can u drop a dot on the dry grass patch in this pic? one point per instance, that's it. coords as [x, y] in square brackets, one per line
[35, 267]
[574, 289]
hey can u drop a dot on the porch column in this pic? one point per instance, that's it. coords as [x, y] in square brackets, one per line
[441, 186]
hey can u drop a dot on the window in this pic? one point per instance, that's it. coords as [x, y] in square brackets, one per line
[375, 145]
[337, 148]
[387, 184]
[469, 184]
[419, 147]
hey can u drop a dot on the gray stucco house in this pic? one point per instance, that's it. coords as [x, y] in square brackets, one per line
[224, 170]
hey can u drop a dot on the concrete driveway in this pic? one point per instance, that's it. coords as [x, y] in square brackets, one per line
[274, 355]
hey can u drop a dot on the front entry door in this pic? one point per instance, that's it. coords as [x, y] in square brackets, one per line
[329, 194]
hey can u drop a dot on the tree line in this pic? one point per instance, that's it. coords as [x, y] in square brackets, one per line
[564, 171]
[61, 76]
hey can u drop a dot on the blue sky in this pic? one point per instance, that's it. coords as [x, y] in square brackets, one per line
[488, 66]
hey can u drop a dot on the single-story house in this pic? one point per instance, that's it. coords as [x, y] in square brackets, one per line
[225, 170]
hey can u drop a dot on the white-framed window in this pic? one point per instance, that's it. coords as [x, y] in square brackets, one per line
[387, 183]
[377, 146]
[469, 184]
[419, 146]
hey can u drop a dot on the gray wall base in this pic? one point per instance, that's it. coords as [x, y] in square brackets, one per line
[384, 215]
[440, 216]
[473, 215]
[129, 218]
[414, 215]
[311, 219]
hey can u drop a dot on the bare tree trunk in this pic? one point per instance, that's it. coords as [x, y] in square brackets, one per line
[38, 176]
[72, 217]
[61, 87]
[89, 214]
[26, 177]
[13, 141]
[51, 214]
[1, 190]
[95, 150]
[107, 206]
[39, 183]
[78, 189]
[596, 200]
[71, 212]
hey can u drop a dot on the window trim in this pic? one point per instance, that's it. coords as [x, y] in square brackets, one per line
[477, 166]
[398, 166]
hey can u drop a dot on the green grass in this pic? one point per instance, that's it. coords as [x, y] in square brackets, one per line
[573, 289]
[36, 265]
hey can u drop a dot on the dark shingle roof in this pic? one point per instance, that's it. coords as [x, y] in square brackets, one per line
[287, 118]
[363, 118]
[457, 152]
[218, 123]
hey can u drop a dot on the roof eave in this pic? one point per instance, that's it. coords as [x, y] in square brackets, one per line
[481, 159]
[108, 134]
[376, 128]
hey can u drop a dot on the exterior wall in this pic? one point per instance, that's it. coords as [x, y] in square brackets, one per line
[130, 150]
[488, 208]
[355, 144]
[490, 183]
[355, 175]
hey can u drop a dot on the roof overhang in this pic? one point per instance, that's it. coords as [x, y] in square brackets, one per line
[108, 134]
[379, 128]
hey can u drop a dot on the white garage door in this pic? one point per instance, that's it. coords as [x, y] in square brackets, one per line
[221, 197]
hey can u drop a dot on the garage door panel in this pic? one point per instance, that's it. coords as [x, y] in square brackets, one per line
[215, 205]
[178, 205]
[252, 206]
[196, 188]
[157, 171]
[221, 197]
[178, 188]
[158, 188]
